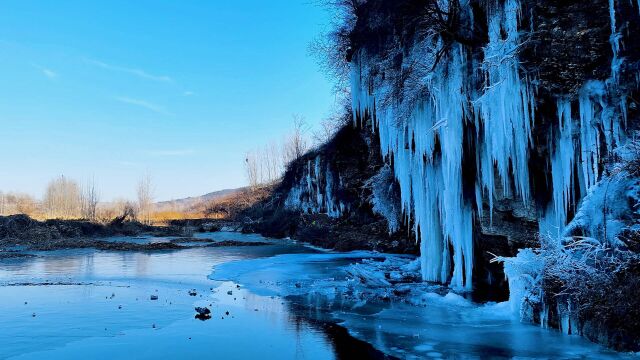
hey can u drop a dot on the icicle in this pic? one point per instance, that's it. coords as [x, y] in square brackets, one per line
[616, 62]
[430, 181]
[506, 106]
[589, 139]
[544, 314]
[597, 119]
[564, 323]
[562, 161]
[309, 196]
[438, 207]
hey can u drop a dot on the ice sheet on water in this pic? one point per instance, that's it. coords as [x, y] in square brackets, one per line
[358, 275]
[379, 298]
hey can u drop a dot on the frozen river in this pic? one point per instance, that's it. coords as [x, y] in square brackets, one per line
[276, 301]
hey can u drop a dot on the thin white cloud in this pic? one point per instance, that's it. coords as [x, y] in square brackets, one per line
[46, 72]
[143, 104]
[128, 163]
[131, 71]
[188, 93]
[174, 152]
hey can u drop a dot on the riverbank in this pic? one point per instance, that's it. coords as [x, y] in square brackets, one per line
[19, 233]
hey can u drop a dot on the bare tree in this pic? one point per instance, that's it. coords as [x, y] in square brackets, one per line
[341, 116]
[89, 200]
[16, 203]
[333, 49]
[265, 165]
[273, 160]
[296, 143]
[252, 168]
[3, 203]
[25, 204]
[62, 198]
[145, 199]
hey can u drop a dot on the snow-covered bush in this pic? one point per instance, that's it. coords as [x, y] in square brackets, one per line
[587, 282]
[384, 198]
[609, 208]
[524, 273]
[594, 288]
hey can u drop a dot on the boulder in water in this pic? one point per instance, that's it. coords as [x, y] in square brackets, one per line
[203, 313]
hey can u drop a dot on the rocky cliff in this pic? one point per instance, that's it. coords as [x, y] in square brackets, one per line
[479, 129]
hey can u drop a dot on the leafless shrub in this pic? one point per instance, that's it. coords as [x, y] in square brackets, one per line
[265, 165]
[89, 199]
[62, 198]
[145, 199]
[332, 48]
[296, 143]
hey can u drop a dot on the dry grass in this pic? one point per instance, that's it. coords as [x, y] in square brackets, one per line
[229, 207]
[163, 217]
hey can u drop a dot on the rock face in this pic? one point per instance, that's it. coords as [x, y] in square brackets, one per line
[326, 196]
[494, 118]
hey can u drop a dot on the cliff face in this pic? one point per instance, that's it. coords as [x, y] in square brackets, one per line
[340, 196]
[488, 123]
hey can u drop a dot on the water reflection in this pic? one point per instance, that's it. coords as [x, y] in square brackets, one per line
[111, 312]
[104, 307]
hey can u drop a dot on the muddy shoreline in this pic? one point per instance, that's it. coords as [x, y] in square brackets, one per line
[20, 234]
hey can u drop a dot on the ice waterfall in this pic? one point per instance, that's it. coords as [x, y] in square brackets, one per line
[602, 116]
[314, 193]
[425, 138]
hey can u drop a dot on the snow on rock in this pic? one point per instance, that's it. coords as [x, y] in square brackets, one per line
[524, 273]
[607, 209]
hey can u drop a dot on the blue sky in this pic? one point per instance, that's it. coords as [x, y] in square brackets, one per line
[181, 90]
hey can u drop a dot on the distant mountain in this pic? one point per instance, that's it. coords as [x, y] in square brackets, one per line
[193, 202]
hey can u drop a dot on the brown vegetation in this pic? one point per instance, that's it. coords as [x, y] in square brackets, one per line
[232, 206]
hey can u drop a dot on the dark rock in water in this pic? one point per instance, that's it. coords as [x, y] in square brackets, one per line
[228, 243]
[193, 292]
[401, 292]
[203, 313]
[154, 297]
[229, 292]
[203, 310]
[190, 240]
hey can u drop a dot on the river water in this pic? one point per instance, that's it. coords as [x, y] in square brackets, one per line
[277, 301]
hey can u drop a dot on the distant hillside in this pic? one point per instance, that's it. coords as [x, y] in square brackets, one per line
[193, 202]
